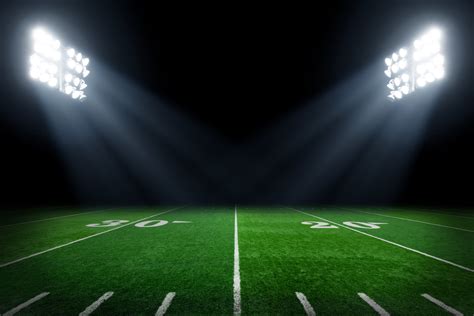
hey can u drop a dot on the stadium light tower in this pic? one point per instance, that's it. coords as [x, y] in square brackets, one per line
[59, 67]
[412, 68]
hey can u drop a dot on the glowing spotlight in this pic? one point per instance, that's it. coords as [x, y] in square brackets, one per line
[422, 61]
[78, 68]
[421, 82]
[34, 73]
[82, 85]
[71, 52]
[76, 94]
[47, 66]
[402, 52]
[71, 63]
[68, 77]
[53, 82]
[68, 89]
[76, 81]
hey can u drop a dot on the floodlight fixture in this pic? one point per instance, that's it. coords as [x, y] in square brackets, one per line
[414, 67]
[59, 67]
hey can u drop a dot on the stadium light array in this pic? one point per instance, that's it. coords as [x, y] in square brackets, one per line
[412, 68]
[59, 67]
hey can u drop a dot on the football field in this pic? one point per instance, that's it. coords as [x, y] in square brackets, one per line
[237, 260]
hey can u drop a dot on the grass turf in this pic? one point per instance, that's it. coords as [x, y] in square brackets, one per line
[278, 257]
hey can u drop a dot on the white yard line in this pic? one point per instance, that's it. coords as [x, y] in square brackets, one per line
[165, 304]
[414, 220]
[447, 308]
[237, 302]
[91, 308]
[379, 309]
[389, 242]
[306, 304]
[52, 218]
[81, 239]
[25, 304]
[447, 213]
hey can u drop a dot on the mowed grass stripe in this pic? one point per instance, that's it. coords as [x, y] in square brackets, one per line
[22, 240]
[82, 239]
[281, 255]
[431, 217]
[412, 220]
[389, 242]
[447, 213]
[140, 264]
[449, 244]
[53, 218]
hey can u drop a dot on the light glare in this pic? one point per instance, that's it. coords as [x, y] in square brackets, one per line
[47, 66]
[422, 64]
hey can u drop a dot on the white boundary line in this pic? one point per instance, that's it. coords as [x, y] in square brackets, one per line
[237, 301]
[91, 308]
[447, 213]
[379, 309]
[52, 218]
[165, 304]
[414, 220]
[306, 304]
[15, 310]
[447, 308]
[388, 241]
[82, 239]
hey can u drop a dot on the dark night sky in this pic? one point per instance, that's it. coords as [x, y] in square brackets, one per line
[238, 70]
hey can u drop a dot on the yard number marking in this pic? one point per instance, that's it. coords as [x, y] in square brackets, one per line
[143, 224]
[318, 225]
[324, 225]
[109, 223]
[152, 223]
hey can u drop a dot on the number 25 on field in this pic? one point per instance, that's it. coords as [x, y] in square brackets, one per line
[324, 225]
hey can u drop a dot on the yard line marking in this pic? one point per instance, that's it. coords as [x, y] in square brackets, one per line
[181, 222]
[91, 308]
[414, 220]
[82, 239]
[379, 309]
[56, 217]
[25, 304]
[165, 304]
[447, 213]
[390, 242]
[237, 302]
[447, 308]
[306, 304]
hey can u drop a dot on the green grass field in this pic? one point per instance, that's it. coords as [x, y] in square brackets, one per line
[340, 261]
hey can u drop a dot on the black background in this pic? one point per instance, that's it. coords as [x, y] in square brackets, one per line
[235, 68]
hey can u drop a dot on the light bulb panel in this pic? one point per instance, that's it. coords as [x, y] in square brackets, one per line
[411, 68]
[56, 66]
